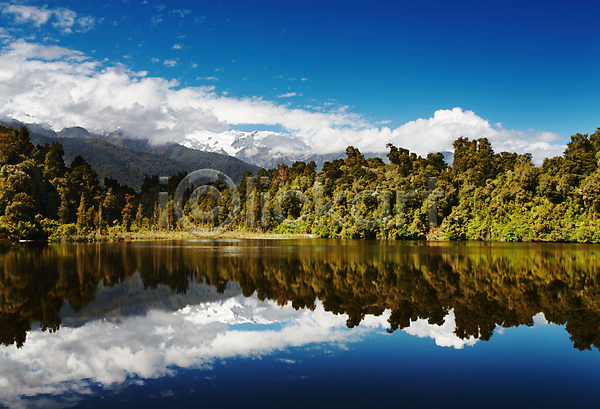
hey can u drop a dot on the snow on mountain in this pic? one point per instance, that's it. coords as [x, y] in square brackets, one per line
[262, 148]
[211, 142]
[266, 149]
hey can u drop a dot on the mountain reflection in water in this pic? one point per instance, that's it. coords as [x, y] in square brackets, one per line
[143, 347]
[485, 285]
[138, 310]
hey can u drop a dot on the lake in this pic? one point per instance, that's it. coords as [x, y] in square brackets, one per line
[298, 323]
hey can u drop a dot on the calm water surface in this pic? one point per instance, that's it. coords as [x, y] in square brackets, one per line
[300, 323]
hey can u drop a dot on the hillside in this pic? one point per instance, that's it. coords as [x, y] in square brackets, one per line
[129, 166]
[110, 161]
[193, 160]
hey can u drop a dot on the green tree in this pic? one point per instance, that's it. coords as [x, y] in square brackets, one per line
[127, 213]
[85, 216]
[138, 222]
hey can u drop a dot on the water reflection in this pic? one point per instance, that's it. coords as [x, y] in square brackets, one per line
[484, 285]
[102, 352]
[128, 312]
[70, 363]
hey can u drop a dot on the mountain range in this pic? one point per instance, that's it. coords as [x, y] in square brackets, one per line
[266, 148]
[128, 160]
[117, 156]
[262, 148]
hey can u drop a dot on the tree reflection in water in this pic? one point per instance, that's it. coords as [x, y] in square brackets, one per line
[486, 285]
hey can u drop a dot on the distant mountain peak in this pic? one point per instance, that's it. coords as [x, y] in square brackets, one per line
[261, 148]
[265, 149]
[79, 133]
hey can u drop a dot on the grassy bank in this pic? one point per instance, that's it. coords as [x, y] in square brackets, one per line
[151, 235]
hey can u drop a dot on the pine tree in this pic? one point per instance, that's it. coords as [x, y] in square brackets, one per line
[171, 219]
[90, 218]
[99, 221]
[127, 213]
[139, 217]
[82, 215]
[111, 207]
[54, 164]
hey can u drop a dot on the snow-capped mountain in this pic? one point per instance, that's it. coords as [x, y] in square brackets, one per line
[266, 149]
[261, 148]
[211, 142]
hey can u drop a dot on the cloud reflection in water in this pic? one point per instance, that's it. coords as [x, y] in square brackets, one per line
[72, 360]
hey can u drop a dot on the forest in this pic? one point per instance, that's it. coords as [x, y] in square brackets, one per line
[483, 196]
[505, 287]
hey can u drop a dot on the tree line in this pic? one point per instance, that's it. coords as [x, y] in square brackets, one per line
[484, 286]
[483, 196]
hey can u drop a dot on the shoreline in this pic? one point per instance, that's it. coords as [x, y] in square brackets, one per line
[174, 235]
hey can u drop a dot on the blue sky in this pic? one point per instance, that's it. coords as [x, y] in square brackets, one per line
[530, 65]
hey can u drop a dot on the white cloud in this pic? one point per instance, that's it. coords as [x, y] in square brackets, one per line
[4, 35]
[69, 88]
[156, 19]
[447, 125]
[540, 319]
[177, 47]
[106, 353]
[444, 335]
[65, 20]
[61, 18]
[86, 23]
[63, 87]
[287, 95]
[24, 14]
[181, 12]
